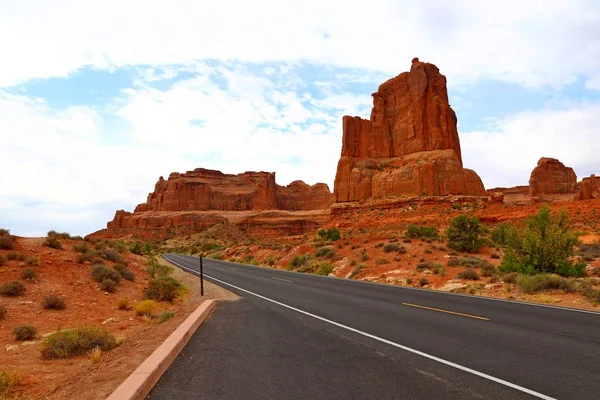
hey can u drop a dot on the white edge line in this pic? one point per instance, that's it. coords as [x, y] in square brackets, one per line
[475, 297]
[409, 349]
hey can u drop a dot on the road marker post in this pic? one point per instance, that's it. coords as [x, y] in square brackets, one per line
[201, 276]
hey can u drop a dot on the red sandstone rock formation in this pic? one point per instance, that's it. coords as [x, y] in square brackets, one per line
[497, 197]
[202, 198]
[550, 176]
[409, 146]
[589, 189]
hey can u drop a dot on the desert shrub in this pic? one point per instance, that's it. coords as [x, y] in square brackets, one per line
[270, 260]
[29, 274]
[495, 256]
[300, 260]
[13, 288]
[12, 256]
[589, 251]
[536, 283]
[111, 255]
[3, 311]
[424, 265]
[65, 344]
[7, 242]
[108, 285]
[501, 234]
[422, 282]
[544, 245]
[511, 277]
[54, 302]
[388, 248]
[381, 261]
[124, 303]
[9, 380]
[464, 234]
[330, 234]
[165, 316]
[439, 269]
[488, 270]
[146, 307]
[156, 269]
[469, 274]
[380, 244]
[164, 288]
[324, 268]
[25, 332]
[428, 251]
[326, 251]
[472, 262]
[136, 248]
[33, 261]
[59, 235]
[83, 257]
[125, 272]
[101, 272]
[406, 240]
[421, 231]
[364, 257]
[53, 242]
[82, 248]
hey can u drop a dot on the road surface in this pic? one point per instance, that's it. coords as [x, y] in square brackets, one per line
[296, 336]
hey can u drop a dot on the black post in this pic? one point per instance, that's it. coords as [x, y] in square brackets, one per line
[201, 278]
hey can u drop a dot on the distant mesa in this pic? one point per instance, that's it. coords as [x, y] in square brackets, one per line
[409, 146]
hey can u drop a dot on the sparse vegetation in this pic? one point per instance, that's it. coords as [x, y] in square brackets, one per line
[421, 232]
[3, 312]
[157, 269]
[108, 285]
[324, 269]
[54, 302]
[95, 354]
[9, 380]
[25, 332]
[469, 274]
[325, 252]
[422, 282]
[69, 343]
[390, 247]
[472, 262]
[381, 261]
[330, 234]
[165, 316]
[511, 277]
[124, 304]
[502, 233]
[488, 270]
[12, 289]
[82, 248]
[7, 242]
[33, 261]
[536, 283]
[300, 260]
[545, 245]
[163, 288]
[464, 234]
[53, 242]
[101, 272]
[12, 256]
[125, 272]
[29, 274]
[146, 307]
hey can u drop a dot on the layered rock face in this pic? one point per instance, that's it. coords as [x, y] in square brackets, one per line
[550, 176]
[409, 146]
[202, 198]
[589, 189]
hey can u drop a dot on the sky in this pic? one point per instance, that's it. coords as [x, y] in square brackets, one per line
[100, 98]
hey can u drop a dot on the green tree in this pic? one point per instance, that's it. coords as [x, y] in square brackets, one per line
[464, 234]
[544, 245]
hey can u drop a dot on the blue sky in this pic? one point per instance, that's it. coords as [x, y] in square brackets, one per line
[96, 105]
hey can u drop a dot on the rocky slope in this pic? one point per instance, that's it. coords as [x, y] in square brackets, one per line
[409, 146]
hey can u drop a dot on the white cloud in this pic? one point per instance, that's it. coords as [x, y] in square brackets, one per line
[528, 42]
[506, 156]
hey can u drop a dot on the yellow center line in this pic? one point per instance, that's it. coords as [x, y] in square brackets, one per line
[284, 280]
[446, 311]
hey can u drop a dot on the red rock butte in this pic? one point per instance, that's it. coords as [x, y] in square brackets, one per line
[550, 176]
[409, 146]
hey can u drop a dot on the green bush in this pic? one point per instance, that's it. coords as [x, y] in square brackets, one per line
[59, 235]
[101, 272]
[165, 316]
[421, 231]
[136, 248]
[108, 285]
[488, 270]
[300, 260]
[330, 234]
[511, 277]
[125, 272]
[13, 288]
[83, 257]
[34, 261]
[388, 248]
[164, 288]
[501, 233]
[6, 241]
[464, 234]
[82, 248]
[324, 269]
[424, 265]
[12, 256]
[535, 283]
[111, 255]
[469, 274]
[326, 251]
[29, 274]
[156, 269]
[53, 242]
[54, 302]
[65, 344]
[25, 332]
[544, 245]
[270, 260]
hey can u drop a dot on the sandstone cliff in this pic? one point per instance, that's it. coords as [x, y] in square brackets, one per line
[409, 146]
[201, 198]
[550, 176]
[589, 189]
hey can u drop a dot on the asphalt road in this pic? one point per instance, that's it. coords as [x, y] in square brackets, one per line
[295, 336]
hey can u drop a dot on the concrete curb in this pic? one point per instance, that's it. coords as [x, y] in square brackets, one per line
[142, 380]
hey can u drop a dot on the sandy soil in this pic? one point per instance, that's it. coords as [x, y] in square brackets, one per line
[86, 305]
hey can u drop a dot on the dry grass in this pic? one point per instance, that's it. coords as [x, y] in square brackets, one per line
[95, 354]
